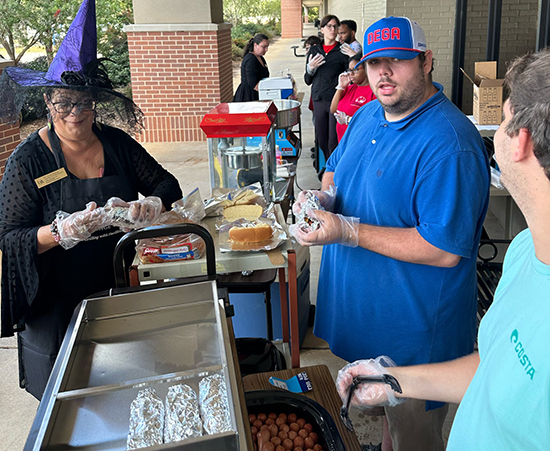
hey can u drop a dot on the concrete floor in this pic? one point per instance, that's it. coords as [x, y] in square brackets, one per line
[189, 163]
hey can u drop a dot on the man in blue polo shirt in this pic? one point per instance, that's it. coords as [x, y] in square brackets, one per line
[412, 179]
[504, 390]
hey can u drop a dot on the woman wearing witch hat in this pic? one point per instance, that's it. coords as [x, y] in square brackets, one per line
[73, 164]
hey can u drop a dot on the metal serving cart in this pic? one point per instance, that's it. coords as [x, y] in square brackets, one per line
[132, 338]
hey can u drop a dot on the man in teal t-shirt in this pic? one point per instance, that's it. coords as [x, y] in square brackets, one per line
[504, 390]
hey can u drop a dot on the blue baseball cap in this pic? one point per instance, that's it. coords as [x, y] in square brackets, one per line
[393, 37]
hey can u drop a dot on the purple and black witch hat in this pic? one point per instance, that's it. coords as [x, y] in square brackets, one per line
[76, 67]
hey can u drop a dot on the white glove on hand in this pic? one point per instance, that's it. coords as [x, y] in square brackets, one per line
[314, 62]
[79, 226]
[346, 49]
[344, 81]
[326, 199]
[333, 229]
[342, 118]
[369, 394]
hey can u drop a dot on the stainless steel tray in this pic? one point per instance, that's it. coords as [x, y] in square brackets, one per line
[118, 345]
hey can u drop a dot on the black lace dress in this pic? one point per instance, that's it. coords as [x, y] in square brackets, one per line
[40, 292]
[252, 71]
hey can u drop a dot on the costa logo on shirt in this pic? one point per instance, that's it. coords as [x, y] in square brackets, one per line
[522, 355]
[384, 34]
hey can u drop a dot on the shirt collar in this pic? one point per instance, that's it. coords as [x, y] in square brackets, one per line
[437, 98]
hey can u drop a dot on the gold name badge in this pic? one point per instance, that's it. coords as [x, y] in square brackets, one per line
[47, 179]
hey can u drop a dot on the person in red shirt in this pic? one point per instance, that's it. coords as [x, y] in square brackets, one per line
[353, 91]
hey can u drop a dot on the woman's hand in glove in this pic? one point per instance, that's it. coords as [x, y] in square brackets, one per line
[146, 211]
[368, 394]
[79, 226]
[344, 81]
[342, 118]
[314, 62]
[333, 229]
[133, 215]
[347, 50]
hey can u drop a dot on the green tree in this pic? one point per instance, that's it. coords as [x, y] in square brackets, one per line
[260, 11]
[112, 16]
[25, 23]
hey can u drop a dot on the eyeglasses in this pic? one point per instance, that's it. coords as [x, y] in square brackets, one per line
[332, 27]
[65, 107]
[353, 71]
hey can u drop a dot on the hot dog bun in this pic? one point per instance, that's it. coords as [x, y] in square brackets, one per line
[260, 232]
[248, 212]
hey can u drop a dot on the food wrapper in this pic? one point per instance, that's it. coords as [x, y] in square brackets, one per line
[268, 217]
[119, 212]
[303, 221]
[251, 194]
[146, 420]
[214, 404]
[190, 209]
[170, 248]
[182, 420]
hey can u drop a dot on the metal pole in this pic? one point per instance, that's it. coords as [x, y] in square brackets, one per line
[493, 30]
[459, 51]
[543, 35]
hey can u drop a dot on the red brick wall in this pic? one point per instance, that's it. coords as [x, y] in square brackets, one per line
[9, 139]
[177, 77]
[291, 19]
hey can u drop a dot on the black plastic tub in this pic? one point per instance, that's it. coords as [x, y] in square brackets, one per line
[267, 401]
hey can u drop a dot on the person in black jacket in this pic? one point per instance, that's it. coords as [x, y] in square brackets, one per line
[253, 68]
[324, 64]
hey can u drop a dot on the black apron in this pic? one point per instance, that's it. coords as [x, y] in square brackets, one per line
[69, 276]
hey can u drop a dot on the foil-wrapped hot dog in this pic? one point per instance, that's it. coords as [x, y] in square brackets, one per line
[146, 420]
[214, 405]
[182, 419]
[306, 223]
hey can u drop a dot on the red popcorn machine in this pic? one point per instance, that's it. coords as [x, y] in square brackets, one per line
[241, 145]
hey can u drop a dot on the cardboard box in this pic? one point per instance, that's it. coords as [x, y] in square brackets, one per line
[488, 92]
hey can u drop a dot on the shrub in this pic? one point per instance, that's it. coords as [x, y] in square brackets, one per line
[119, 71]
[40, 63]
[236, 52]
[34, 107]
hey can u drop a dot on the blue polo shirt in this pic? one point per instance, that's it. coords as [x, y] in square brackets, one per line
[429, 171]
[507, 405]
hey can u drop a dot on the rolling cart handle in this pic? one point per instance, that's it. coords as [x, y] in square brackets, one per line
[121, 274]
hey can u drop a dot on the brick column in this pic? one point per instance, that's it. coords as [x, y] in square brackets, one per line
[9, 134]
[179, 73]
[291, 19]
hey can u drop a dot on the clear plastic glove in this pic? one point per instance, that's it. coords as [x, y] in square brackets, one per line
[133, 215]
[314, 62]
[371, 394]
[333, 229]
[342, 118]
[346, 49]
[326, 199]
[344, 81]
[79, 226]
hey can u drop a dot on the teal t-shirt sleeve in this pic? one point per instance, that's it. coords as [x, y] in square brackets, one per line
[446, 205]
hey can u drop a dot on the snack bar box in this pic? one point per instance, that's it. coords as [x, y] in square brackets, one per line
[120, 344]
